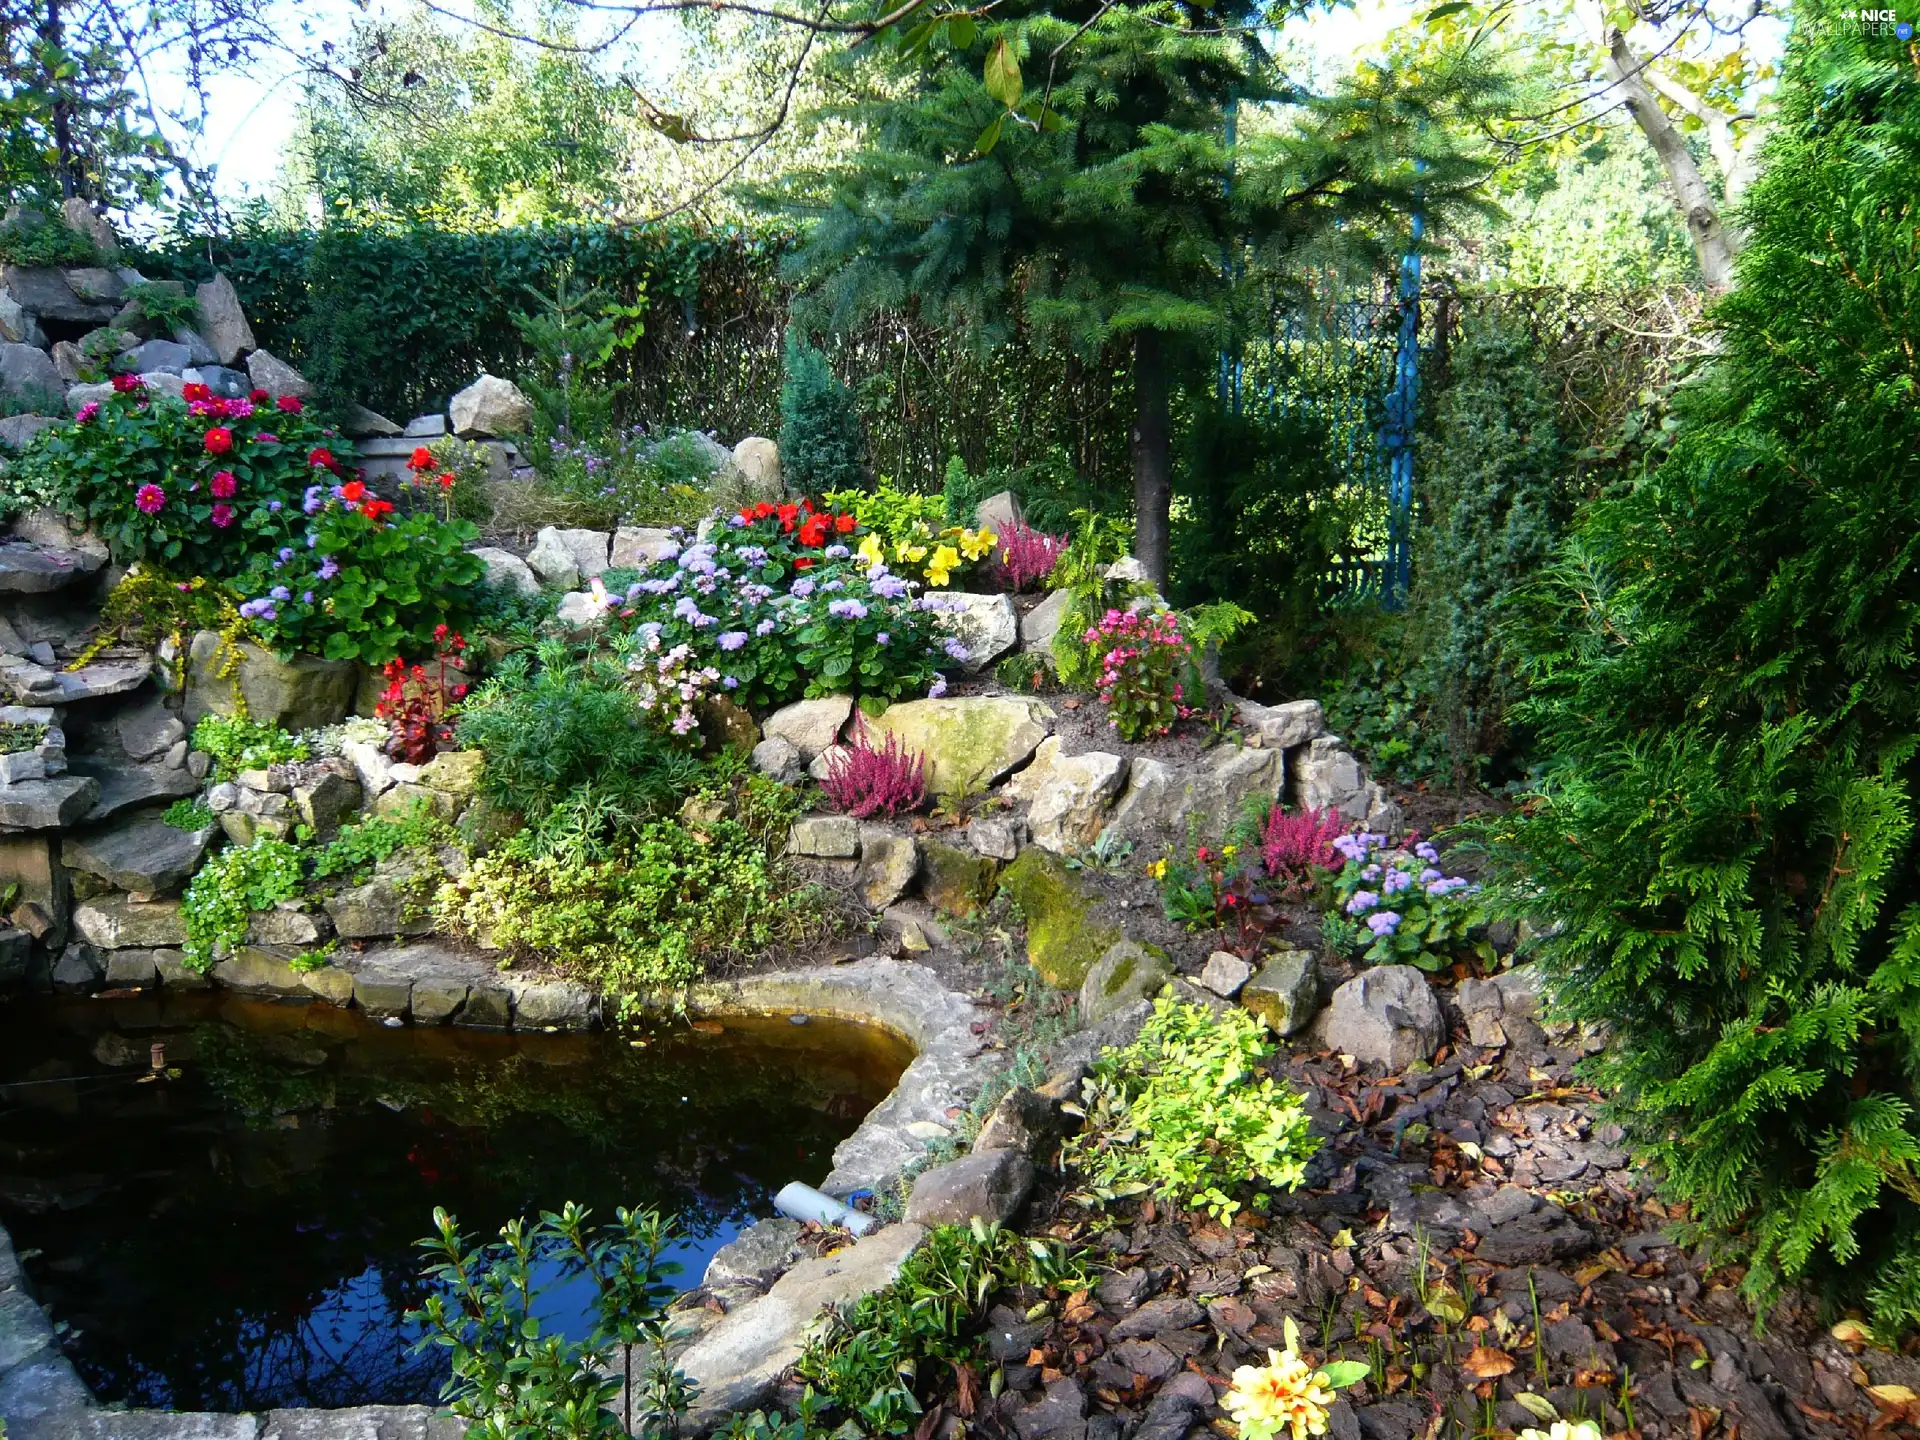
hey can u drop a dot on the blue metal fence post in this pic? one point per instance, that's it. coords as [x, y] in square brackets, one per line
[1397, 437]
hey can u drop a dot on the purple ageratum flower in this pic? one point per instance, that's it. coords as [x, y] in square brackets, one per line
[1396, 881]
[1429, 875]
[286, 553]
[727, 682]
[802, 588]
[847, 609]
[1385, 923]
[1426, 852]
[313, 540]
[281, 592]
[737, 522]
[685, 609]
[834, 585]
[1372, 872]
[732, 639]
[329, 568]
[306, 597]
[316, 497]
[273, 506]
[766, 626]
[754, 555]
[955, 650]
[1446, 886]
[938, 688]
[889, 587]
[649, 633]
[1361, 902]
[883, 637]
[837, 552]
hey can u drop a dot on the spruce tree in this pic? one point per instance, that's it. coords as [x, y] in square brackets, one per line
[1089, 193]
[1723, 663]
[822, 446]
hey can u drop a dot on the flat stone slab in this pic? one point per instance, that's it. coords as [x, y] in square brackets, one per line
[123, 786]
[47, 804]
[141, 853]
[38, 685]
[737, 1362]
[27, 569]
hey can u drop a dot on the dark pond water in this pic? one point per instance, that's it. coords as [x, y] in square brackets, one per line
[243, 1236]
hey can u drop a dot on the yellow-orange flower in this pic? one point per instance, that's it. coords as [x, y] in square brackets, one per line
[1285, 1394]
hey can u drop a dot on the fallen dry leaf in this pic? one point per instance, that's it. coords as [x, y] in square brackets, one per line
[1484, 1362]
[1892, 1394]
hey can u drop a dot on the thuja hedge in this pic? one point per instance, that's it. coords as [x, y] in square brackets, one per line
[1723, 664]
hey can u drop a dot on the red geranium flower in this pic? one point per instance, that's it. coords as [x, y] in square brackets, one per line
[353, 492]
[421, 459]
[844, 524]
[258, 396]
[805, 562]
[195, 391]
[322, 457]
[292, 404]
[814, 532]
[219, 440]
[446, 479]
[788, 515]
[224, 485]
[374, 509]
[764, 509]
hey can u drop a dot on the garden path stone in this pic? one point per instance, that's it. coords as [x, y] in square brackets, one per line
[737, 1362]
[50, 804]
[1067, 796]
[1539, 1237]
[223, 323]
[1126, 974]
[1385, 1016]
[490, 406]
[273, 375]
[810, 726]
[1157, 1317]
[138, 852]
[1285, 994]
[969, 742]
[985, 625]
[1059, 1415]
[990, 1185]
[507, 570]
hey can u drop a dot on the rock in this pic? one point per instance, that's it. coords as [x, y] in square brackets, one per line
[490, 406]
[305, 693]
[380, 907]
[954, 881]
[1281, 727]
[969, 742]
[1385, 1016]
[826, 837]
[1060, 1415]
[1541, 1237]
[758, 1255]
[362, 421]
[999, 512]
[1157, 1317]
[1177, 1405]
[326, 803]
[17, 431]
[148, 730]
[17, 326]
[1327, 776]
[68, 359]
[222, 322]
[1067, 795]
[995, 839]
[810, 726]
[79, 971]
[738, 1360]
[1127, 570]
[167, 356]
[136, 969]
[1063, 939]
[1163, 800]
[564, 558]
[123, 785]
[28, 374]
[118, 922]
[989, 1185]
[51, 804]
[276, 377]
[636, 547]
[507, 570]
[758, 461]
[254, 971]
[425, 427]
[1039, 625]
[552, 1004]
[45, 293]
[292, 928]
[985, 625]
[777, 759]
[82, 218]
[199, 352]
[1285, 994]
[454, 772]
[1225, 974]
[16, 955]
[139, 852]
[382, 992]
[1126, 974]
[888, 863]
[32, 862]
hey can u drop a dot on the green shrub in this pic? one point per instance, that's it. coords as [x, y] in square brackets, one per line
[237, 743]
[1721, 671]
[37, 239]
[1180, 1113]
[821, 444]
[224, 893]
[165, 307]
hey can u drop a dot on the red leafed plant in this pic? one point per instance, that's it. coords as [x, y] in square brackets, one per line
[417, 699]
[1026, 556]
[1294, 847]
[864, 781]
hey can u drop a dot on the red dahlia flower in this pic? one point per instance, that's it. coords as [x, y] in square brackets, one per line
[292, 404]
[322, 457]
[258, 396]
[222, 515]
[224, 485]
[195, 391]
[219, 440]
[127, 384]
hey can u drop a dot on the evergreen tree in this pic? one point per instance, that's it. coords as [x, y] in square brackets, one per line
[1089, 191]
[1492, 503]
[1723, 662]
[822, 446]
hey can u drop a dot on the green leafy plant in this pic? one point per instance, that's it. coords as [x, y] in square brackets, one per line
[165, 307]
[1406, 910]
[189, 815]
[237, 743]
[223, 894]
[38, 239]
[514, 1379]
[1098, 541]
[1148, 678]
[1185, 1113]
[822, 447]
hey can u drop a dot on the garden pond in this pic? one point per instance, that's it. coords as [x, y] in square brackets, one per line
[240, 1232]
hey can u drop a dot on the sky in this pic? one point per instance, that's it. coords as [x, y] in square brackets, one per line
[251, 114]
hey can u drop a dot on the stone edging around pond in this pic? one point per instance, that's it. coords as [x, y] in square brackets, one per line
[41, 1398]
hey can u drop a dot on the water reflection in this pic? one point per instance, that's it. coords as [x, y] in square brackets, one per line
[242, 1237]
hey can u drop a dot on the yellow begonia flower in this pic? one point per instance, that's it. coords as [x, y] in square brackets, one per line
[976, 544]
[1158, 870]
[1285, 1394]
[907, 551]
[872, 551]
[1229, 851]
[945, 560]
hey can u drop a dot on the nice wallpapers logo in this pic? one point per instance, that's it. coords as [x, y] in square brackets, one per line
[1879, 22]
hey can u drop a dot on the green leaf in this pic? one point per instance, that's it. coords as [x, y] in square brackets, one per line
[1342, 1373]
[961, 32]
[989, 138]
[1441, 12]
[1002, 74]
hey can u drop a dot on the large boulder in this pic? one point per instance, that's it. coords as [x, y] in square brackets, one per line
[810, 726]
[507, 570]
[999, 513]
[637, 546]
[969, 742]
[1063, 938]
[304, 693]
[29, 374]
[276, 377]
[955, 881]
[83, 219]
[490, 406]
[47, 294]
[1128, 973]
[1385, 1016]
[1162, 800]
[50, 804]
[1067, 795]
[1326, 775]
[987, 1185]
[18, 431]
[18, 326]
[985, 627]
[139, 852]
[567, 557]
[1040, 624]
[758, 461]
[223, 324]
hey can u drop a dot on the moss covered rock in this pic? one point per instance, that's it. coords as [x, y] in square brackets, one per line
[1128, 972]
[969, 742]
[1063, 939]
[955, 881]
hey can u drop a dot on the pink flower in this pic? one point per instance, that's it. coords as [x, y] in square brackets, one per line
[224, 485]
[87, 412]
[290, 403]
[149, 498]
[222, 515]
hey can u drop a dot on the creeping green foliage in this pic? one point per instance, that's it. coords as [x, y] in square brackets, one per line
[228, 889]
[189, 815]
[821, 444]
[1721, 665]
[237, 743]
[1180, 1112]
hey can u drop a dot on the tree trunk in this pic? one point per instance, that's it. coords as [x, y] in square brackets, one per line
[1714, 245]
[1152, 446]
[53, 37]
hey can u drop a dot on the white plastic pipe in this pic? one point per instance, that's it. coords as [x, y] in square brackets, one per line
[803, 1202]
